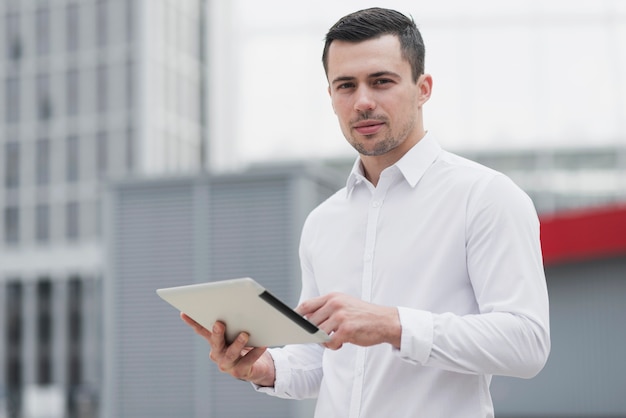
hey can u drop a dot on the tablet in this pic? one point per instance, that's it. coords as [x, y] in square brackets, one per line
[243, 305]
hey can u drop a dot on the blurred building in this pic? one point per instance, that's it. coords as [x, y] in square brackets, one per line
[89, 90]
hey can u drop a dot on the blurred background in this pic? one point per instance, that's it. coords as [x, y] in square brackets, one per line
[152, 143]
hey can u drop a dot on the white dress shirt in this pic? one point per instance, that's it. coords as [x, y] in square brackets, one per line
[455, 246]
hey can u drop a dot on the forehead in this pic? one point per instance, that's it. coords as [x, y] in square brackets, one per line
[351, 59]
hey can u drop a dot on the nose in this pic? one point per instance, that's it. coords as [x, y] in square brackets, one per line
[364, 101]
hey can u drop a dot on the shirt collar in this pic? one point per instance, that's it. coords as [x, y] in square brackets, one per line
[412, 165]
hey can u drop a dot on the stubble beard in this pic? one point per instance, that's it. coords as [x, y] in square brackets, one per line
[386, 144]
[382, 147]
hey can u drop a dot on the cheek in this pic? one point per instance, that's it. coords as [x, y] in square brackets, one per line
[341, 102]
[342, 110]
[409, 108]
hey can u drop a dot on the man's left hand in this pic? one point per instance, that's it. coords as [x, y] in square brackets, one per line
[350, 320]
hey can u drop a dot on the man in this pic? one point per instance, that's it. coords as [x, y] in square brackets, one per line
[426, 268]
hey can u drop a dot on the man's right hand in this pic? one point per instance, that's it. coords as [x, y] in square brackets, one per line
[252, 364]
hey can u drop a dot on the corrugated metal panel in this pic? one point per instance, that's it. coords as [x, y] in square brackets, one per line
[153, 248]
[250, 235]
[168, 233]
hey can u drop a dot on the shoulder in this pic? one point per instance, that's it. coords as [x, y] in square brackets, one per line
[334, 202]
[484, 186]
[470, 173]
[327, 208]
[464, 168]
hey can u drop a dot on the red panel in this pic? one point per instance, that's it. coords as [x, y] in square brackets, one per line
[584, 234]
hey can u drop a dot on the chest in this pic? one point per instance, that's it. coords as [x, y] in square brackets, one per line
[404, 248]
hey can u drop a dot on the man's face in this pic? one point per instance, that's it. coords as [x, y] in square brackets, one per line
[374, 97]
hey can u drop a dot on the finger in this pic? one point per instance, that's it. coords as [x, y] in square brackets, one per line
[233, 351]
[311, 305]
[333, 345]
[329, 326]
[337, 339]
[323, 317]
[218, 339]
[188, 320]
[252, 356]
[243, 368]
[199, 329]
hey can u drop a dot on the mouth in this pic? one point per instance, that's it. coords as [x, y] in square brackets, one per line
[368, 127]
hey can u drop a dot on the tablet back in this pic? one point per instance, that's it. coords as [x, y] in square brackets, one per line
[243, 305]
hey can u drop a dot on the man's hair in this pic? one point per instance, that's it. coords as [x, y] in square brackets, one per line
[375, 22]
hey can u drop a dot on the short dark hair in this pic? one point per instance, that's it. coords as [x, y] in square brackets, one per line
[374, 22]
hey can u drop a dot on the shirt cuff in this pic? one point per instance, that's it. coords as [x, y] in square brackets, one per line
[417, 335]
[282, 375]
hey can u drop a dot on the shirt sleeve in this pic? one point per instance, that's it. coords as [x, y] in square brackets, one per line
[298, 371]
[510, 335]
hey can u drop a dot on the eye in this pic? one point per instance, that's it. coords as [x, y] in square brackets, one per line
[382, 81]
[344, 86]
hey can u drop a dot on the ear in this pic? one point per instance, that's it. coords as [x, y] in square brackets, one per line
[425, 86]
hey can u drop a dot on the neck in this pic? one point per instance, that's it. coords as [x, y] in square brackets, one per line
[373, 165]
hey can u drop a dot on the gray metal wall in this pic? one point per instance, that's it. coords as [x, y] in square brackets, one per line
[586, 373]
[171, 232]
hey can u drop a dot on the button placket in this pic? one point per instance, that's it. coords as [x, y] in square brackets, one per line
[374, 210]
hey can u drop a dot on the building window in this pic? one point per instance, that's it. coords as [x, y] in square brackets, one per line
[101, 89]
[72, 26]
[12, 165]
[42, 169]
[13, 39]
[74, 332]
[13, 361]
[44, 104]
[42, 223]
[42, 28]
[72, 221]
[44, 332]
[102, 149]
[12, 99]
[11, 225]
[13, 315]
[71, 92]
[72, 159]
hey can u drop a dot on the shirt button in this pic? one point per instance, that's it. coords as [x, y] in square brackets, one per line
[368, 257]
[376, 203]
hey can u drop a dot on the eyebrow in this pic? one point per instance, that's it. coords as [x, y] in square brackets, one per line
[342, 79]
[372, 75]
[384, 73]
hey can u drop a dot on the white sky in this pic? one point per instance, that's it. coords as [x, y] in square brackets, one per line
[530, 73]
